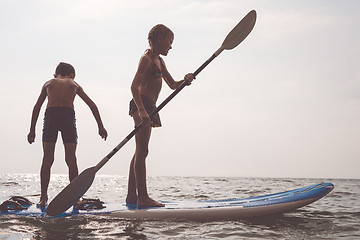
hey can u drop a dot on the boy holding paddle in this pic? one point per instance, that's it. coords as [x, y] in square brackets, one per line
[145, 90]
[60, 116]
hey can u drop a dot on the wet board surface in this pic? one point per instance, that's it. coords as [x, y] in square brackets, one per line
[202, 210]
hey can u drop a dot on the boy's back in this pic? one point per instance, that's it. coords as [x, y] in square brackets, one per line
[61, 92]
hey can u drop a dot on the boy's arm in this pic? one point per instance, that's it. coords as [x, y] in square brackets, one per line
[35, 114]
[94, 110]
[138, 80]
[169, 79]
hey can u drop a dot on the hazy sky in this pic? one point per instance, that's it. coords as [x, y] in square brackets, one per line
[284, 103]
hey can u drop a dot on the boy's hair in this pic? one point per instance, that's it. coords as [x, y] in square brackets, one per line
[156, 31]
[64, 69]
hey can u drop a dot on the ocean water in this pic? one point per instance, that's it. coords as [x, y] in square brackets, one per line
[336, 216]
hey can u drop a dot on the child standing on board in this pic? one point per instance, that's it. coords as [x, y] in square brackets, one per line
[145, 90]
[60, 116]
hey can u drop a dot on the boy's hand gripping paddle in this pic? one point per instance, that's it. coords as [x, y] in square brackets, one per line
[77, 187]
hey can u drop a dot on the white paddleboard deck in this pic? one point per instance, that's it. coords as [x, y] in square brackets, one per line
[231, 209]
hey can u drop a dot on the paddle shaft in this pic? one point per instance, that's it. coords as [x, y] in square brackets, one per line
[161, 106]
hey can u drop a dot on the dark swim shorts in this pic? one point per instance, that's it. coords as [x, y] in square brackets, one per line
[60, 119]
[149, 107]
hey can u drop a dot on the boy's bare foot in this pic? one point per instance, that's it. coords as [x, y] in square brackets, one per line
[148, 202]
[43, 202]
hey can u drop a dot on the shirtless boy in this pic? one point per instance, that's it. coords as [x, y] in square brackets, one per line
[60, 116]
[145, 89]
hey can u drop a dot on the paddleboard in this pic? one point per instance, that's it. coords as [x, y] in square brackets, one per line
[203, 210]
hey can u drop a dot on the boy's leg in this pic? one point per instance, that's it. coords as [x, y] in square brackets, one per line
[138, 165]
[48, 160]
[132, 187]
[132, 193]
[70, 159]
[142, 142]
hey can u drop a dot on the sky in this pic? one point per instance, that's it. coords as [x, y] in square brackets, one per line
[284, 103]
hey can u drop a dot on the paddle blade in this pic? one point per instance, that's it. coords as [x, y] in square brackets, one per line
[240, 31]
[71, 193]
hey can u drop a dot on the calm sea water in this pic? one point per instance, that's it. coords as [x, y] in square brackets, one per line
[336, 216]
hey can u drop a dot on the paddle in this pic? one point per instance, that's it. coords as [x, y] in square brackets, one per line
[77, 187]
